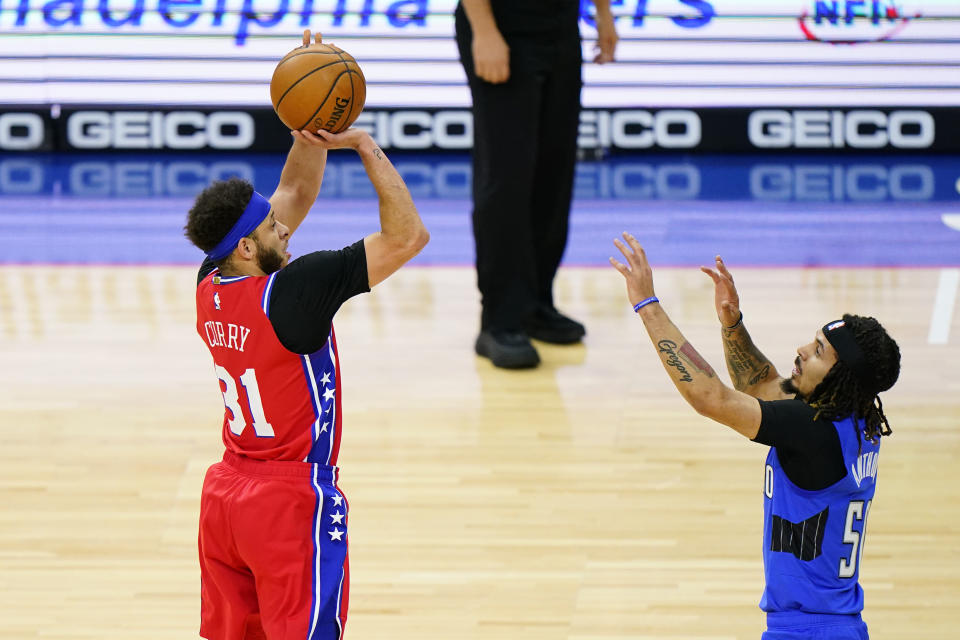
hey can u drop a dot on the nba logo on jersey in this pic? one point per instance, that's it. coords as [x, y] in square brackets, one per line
[216, 300]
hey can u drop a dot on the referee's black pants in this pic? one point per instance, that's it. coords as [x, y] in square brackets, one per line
[524, 154]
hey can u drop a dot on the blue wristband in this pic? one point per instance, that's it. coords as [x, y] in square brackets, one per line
[645, 302]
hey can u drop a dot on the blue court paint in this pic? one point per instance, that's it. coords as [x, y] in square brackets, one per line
[774, 211]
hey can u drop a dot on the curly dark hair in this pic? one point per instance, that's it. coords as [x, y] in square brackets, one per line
[215, 211]
[841, 394]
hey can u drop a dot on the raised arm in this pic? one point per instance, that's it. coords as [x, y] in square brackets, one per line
[402, 234]
[301, 176]
[693, 377]
[751, 371]
[299, 182]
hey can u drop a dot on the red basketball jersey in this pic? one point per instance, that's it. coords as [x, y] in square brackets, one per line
[278, 405]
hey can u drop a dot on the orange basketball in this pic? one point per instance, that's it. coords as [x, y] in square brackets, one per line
[319, 86]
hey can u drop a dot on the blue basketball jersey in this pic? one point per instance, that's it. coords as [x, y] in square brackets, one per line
[813, 540]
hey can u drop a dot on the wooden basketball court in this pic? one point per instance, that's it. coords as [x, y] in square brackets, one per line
[580, 501]
[583, 500]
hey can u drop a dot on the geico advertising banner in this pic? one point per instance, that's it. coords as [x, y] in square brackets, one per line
[809, 178]
[672, 53]
[779, 129]
[23, 129]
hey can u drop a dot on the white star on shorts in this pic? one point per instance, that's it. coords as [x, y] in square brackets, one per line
[335, 534]
[336, 518]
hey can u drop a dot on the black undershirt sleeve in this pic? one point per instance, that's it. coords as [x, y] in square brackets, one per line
[309, 291]
[809, 450]
[205, 268]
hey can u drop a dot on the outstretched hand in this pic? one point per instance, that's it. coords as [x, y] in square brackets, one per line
[637, 271]
[725, 296]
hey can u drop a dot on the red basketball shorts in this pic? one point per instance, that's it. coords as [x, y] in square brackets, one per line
[273, 551]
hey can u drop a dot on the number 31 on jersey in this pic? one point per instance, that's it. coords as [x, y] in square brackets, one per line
[231, 400]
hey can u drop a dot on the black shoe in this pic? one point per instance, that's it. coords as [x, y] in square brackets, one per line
[507, 349]
[549, 325]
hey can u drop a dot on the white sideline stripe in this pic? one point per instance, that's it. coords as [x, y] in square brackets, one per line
[943, 306]
[952, 220]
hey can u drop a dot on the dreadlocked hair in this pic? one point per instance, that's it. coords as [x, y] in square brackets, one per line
[215, 211]
[841, 393]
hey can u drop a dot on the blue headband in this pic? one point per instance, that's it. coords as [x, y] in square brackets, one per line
[257, 209]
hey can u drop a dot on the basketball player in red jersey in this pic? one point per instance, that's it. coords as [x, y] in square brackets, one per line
[273, 523]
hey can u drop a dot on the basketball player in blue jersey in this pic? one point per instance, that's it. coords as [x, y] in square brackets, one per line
[823, 425]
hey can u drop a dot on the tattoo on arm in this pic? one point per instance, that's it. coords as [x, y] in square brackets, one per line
[762, 375]
[695, 360]
[683, 358]
[668, 348]
[747, 366]
[378, 153]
